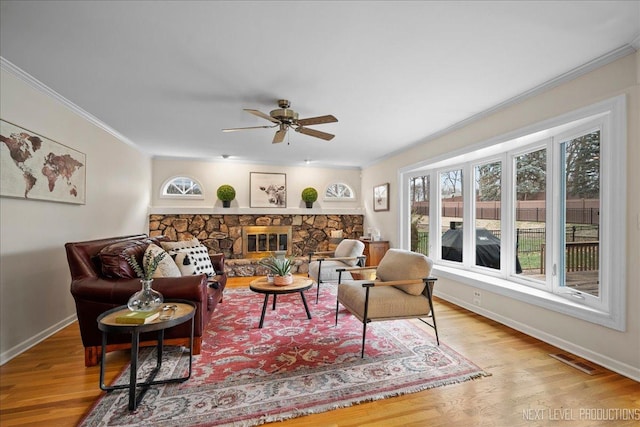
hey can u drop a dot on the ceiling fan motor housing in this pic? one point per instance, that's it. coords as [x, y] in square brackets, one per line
[285, 115]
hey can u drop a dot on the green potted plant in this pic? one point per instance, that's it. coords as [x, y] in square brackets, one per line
[146, 299]
[226, 194]
[309, 195]
[280, 268]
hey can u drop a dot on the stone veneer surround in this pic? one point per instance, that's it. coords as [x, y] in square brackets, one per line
[223, 233]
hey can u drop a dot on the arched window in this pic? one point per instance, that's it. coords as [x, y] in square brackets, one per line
[182, 186]
[339, 191]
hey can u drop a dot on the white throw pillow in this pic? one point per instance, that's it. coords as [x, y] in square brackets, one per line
[191, 243]
[167, 267]
[192, 261]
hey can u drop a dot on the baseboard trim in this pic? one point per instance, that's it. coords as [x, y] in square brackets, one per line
[600, 359]
[36, 339]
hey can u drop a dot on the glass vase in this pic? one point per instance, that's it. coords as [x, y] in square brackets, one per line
[145, 299]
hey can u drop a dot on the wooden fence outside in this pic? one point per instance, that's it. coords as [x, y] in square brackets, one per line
[579, 256]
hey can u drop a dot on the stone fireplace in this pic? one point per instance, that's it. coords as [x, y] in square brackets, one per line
[226, 233]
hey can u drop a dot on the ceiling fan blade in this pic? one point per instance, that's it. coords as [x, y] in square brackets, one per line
[315, 133]
[250, 127]
[279, 136]
[317, 120]
[261, 114]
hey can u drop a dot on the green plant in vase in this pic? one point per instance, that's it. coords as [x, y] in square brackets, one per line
[226, 194]
[309, 195]
[146, 299]
[280, 268]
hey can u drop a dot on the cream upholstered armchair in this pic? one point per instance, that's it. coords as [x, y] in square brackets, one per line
[403, 289]
[323, 265]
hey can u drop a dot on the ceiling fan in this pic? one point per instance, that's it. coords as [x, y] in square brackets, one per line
[284, 118]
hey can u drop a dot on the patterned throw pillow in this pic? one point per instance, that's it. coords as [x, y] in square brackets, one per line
[167, 267]
[192, 261]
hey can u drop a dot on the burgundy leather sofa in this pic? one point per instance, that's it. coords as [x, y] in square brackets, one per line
[101, 279]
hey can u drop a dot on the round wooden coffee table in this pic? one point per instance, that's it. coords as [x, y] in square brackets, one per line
[261, 286]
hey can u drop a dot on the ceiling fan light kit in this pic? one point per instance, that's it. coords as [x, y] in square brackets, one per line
[285, 118]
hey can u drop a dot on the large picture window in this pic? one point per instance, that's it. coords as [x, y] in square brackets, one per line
[528, 215]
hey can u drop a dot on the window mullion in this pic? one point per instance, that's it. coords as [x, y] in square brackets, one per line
[507, 210]
[435, 208]
[468, 217]
[554, 240]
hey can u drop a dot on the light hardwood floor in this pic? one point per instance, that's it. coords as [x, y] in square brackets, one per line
[49, 385]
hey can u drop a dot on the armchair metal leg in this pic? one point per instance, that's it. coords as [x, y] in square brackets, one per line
[433, 313]
[364, 337]
[319, 280]
[365, 319]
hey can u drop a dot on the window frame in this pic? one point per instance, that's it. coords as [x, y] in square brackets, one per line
[472, 168]
[169, 181]
[610, 116]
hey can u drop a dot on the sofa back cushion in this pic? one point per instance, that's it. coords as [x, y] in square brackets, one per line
[349, 248]
[398, 264]
[113, 258]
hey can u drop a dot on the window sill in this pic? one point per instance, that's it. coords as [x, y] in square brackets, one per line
[530, 295]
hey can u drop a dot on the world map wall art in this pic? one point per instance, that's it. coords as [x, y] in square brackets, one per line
[37, 168]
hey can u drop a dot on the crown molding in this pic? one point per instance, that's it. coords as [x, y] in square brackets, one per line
[549, 84]
[36, 84]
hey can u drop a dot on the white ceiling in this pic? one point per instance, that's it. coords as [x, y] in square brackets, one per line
[168, 76]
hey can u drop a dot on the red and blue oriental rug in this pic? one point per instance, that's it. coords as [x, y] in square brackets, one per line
[293, 366]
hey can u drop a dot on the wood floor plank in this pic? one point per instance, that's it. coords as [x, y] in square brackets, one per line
[49, 384]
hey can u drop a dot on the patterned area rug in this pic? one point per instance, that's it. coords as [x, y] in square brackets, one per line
[293, 366]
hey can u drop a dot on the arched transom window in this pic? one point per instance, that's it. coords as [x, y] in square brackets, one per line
[339, 191]
[182, 186]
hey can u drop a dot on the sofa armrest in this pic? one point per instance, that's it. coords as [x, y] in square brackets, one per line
[350, 269]
[192, 288]
[217, 260]
[117, 292]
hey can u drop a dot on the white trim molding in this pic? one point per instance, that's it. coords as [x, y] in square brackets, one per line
[594, 64]
[41, 87]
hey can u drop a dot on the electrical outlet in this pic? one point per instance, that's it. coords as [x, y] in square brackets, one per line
[477, 298]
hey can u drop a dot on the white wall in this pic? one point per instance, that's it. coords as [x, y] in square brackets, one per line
[617, 350]
[35, 299]
[212, 174]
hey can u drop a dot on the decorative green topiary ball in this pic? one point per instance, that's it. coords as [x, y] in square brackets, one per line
[226, 193]
[309, 195]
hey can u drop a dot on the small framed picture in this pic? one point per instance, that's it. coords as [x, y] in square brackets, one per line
[381, 197]
[268, 190]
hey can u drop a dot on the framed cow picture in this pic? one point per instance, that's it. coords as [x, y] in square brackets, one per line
[268, 190]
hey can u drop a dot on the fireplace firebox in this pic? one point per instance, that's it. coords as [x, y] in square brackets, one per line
[263, 241]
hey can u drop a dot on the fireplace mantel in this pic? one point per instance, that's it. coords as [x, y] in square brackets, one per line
[219, 210]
